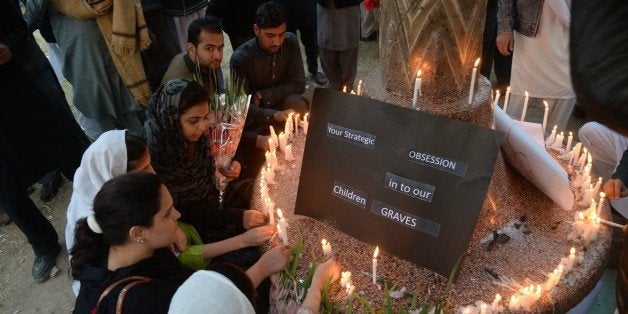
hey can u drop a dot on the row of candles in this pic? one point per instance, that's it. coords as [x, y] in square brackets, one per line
[584, 228]
[359, 91]
[267, 176]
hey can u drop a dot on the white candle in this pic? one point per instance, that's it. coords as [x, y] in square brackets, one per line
[375, 264]
[569, 141]
[271, 145]
[282, 227]
[306, 117]
[558, 144]
[495, 305]
[344, 89]
[582, 159]
[525, 107]
[269, 175]
[359, 92]
[552, 137]
[273, 136]
[417, 88]
[599, 206]
[545, 115]
[497, 94]
[506, 99]
[576, 153]
[305, 126]
[296, 124]
[271, 214]
[288, 127]
[283, 141]
[288, 153]
[345, 278]
[268, 157]
[326, 247]
[473, 75]
[596, 188]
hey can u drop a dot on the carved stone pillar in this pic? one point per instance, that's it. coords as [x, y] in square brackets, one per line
[443, 38]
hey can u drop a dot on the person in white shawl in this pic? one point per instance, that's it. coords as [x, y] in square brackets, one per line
[114, 153]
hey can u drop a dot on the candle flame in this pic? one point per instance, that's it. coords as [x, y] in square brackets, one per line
[344, 89]
[376, 252]
[570, 134]
[508, 89]
[597, 220]
[324, 242]
[581, 215]
[360, 82]
[477, 62]
[572, 251]
[602, 195]
[556, 127]
[562, 134]
[526, 93]
[498, 297]
[546, 104]
[279, 213]
[418, 73]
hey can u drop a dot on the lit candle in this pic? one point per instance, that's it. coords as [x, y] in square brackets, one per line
[345, 278]
[306, 122]
[497, 94]
[576, 153]
[269, 175]
[417, 88]
[545, 115]
[558, 143]
[273, 136]
[525, 107]
[326, 247]
[350, 289]
[599, 206]
[552, 137]
[271, 145]
[271, 213]
[495, 305]
[288, 127]
[473, 75]
[596, 188]
[375, 264]
[569, 141]
[344, 89]
[360, 87]
[287, 155]
[283, 141]
[582, 159]
[296, 124]
[506, 99]
[282, 227]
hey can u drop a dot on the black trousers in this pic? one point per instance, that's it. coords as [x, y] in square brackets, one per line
[302, 17]
[26, 216]
[490, 54]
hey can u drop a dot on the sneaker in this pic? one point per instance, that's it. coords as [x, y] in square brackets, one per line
[51, 183]
[320, 78]
[43, 264]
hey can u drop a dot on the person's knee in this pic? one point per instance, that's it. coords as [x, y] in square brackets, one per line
[588, 132]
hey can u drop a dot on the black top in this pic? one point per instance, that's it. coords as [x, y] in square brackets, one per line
[182, 7]
[237, 16]
[153, 297]
[275, 75]
[621, 172]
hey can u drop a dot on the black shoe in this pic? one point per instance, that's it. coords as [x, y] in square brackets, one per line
[4, 218]
[43, 264]
[320, 78]
[51, 183]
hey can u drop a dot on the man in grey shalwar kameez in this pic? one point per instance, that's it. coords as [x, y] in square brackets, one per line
[338, 37]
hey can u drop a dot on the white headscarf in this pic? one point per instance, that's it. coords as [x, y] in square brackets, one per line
[209, 292]
[105, 159]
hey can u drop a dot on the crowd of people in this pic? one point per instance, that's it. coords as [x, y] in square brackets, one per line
[145, 211]
[146, 217]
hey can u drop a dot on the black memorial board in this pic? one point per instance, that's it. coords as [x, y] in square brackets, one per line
[410, 182]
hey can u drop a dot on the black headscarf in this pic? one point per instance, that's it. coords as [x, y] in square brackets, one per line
[189, 176]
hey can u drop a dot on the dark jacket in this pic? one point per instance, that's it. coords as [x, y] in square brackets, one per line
[182, 7]
[237, 16]
[520, 15]
[163, 269]
[275, 75]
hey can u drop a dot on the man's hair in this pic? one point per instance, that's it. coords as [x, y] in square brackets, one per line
[270, 15]
[207, 23]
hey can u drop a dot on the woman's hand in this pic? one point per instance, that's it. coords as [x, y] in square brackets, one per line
[274, 260]
[258, 236]
[181, 241]
[233, 172]
[253, 218]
